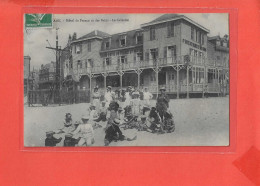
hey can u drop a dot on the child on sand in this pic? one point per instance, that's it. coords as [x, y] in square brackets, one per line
[69, 141]
[50, 140]
[113, 133]
[86, 132]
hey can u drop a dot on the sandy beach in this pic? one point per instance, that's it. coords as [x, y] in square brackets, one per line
[198, 122]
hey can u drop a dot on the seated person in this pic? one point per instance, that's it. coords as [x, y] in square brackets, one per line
[113, 133]
[86, 132]
[103, 113]
[50, 140]
[69, 141]
[169, 125]
[155, 121]
[68, 125]
[143, 124]
[93, 116]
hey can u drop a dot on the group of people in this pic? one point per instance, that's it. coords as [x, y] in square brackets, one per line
[125, 109]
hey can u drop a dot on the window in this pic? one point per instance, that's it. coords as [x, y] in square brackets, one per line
[153, 77]
[107, 61]
[78, 49]
[140, 56]
[192, 33]
[202, 39]
[89, 46]
[79, 64]
[107, 45]
[90, 63]
[122, 41]
[152, 33]
[224, 44]
[218, 57]
[154, 53]
[123, 59]
[170, 29]
[171, 51]
[198, 37]
[218, 43]
[139, 38]
[171, 76]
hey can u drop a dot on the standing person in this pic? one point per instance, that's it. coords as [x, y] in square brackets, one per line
[128, 96]
[162, 103]
[108, 96]
[147, 97]
[96, 98]
[136, 104]
[86, 132]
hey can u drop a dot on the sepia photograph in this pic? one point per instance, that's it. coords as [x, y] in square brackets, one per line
[126, 80]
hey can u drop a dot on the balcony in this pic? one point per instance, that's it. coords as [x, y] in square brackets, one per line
[151, 63]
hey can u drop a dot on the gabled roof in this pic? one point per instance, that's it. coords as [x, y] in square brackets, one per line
[171, 17]
[91, 35]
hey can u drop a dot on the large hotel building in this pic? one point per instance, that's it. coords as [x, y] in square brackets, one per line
[171, 51]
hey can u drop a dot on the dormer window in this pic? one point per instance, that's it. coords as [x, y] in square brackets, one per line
[170, 29]
[107, 45]
[139, 38]
[122, 41]
[78, 49]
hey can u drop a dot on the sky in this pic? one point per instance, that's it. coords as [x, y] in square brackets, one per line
[35, 40]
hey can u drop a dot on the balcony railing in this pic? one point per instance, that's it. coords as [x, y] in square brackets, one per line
[159, 62]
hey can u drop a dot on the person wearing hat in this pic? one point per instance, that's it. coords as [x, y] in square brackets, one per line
[68, 125]
[127, 97]
[108, 96]
[96, 98]
[147, 96]
[113, 133]
[86, 132]
[69, 141]
[50, 140]
[162, 103]
[136, 104]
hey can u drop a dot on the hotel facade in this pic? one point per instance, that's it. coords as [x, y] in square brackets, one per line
[171, 51]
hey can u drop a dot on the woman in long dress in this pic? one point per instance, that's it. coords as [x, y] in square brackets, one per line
[108, 96]
[96, 99]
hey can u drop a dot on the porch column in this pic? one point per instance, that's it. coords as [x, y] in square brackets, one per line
[90, 85]
[138, 80]
[121, 73]
[157, 82]
[105, 81]
[187, 76]
[177, 69]
[138, 71]
[157, 70]
[203, 86]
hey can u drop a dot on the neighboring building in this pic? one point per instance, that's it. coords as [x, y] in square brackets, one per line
[27, 76]
[171, 51]
[35, 79]
[47, 75]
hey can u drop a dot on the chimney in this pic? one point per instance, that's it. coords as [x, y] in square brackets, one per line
[74, 36]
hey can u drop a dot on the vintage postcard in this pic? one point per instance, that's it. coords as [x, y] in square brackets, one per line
[126, 80]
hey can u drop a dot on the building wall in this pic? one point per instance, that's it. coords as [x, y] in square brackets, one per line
[186, 34]
[26, 66]
[85, 54]
[161, 39]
